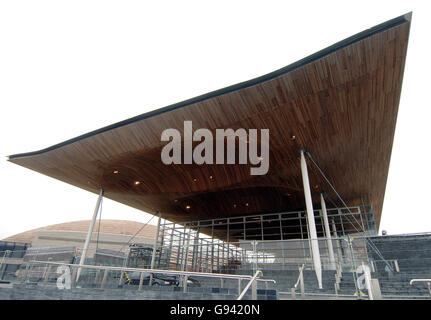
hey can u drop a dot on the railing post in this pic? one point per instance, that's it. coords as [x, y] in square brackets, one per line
[105, 276]
[293, 294]
[96, 279]
[48, 270]
[141, 281]
[254, 290]
[301, 283]
[24, 276]
[397, 268]
[185, 283]
[74, 274]
[239, 286]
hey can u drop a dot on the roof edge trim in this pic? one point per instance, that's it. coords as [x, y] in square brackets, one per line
[313, 57]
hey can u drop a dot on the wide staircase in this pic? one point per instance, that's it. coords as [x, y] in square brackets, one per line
[412, 253]
[38, 291]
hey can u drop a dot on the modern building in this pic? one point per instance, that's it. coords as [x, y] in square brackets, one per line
[113, 234]
[64, 242]
[330, 119]
[11, 257]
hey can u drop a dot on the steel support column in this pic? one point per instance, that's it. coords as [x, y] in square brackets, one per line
[89, 233]
[327, 233]
[171, 242]
[156, 240]
[310, 220]
[337, 241]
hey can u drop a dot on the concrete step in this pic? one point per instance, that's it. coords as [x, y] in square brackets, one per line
[50, 292]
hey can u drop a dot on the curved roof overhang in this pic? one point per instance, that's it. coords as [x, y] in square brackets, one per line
[340, 103]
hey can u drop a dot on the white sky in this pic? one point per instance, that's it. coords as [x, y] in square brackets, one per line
[70, 67]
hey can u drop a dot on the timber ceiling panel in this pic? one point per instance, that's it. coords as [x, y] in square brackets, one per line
[340, 104]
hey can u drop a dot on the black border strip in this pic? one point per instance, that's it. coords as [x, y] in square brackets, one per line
[318, 55]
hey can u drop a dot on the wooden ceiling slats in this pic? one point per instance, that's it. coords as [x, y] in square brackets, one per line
[342, 108]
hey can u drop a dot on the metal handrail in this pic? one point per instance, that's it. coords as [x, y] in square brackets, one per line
[321, 294]
[419, 280]
[338, 276]
[252, 281]
[299, 276]
[300, 279]
[422, 280]
[356, 237]
[394, 261]
[174, 272]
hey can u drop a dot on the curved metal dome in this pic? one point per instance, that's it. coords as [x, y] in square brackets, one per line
[123, 227]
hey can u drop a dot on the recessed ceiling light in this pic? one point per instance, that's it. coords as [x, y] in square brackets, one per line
[137, 183]
[246, 204]
[188, 207]
[293, 137]
[116, 171]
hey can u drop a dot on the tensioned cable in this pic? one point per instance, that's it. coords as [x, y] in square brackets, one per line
[338, 195]
[372, 245]
[136, 233]
[353, 262]
[341, 217]
[333, 188]
[100, 218]
[353, 259]
[346, 217]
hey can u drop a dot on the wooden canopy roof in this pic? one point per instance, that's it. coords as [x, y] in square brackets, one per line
[340, 104]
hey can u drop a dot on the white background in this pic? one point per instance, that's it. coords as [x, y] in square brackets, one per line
[70, 67]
